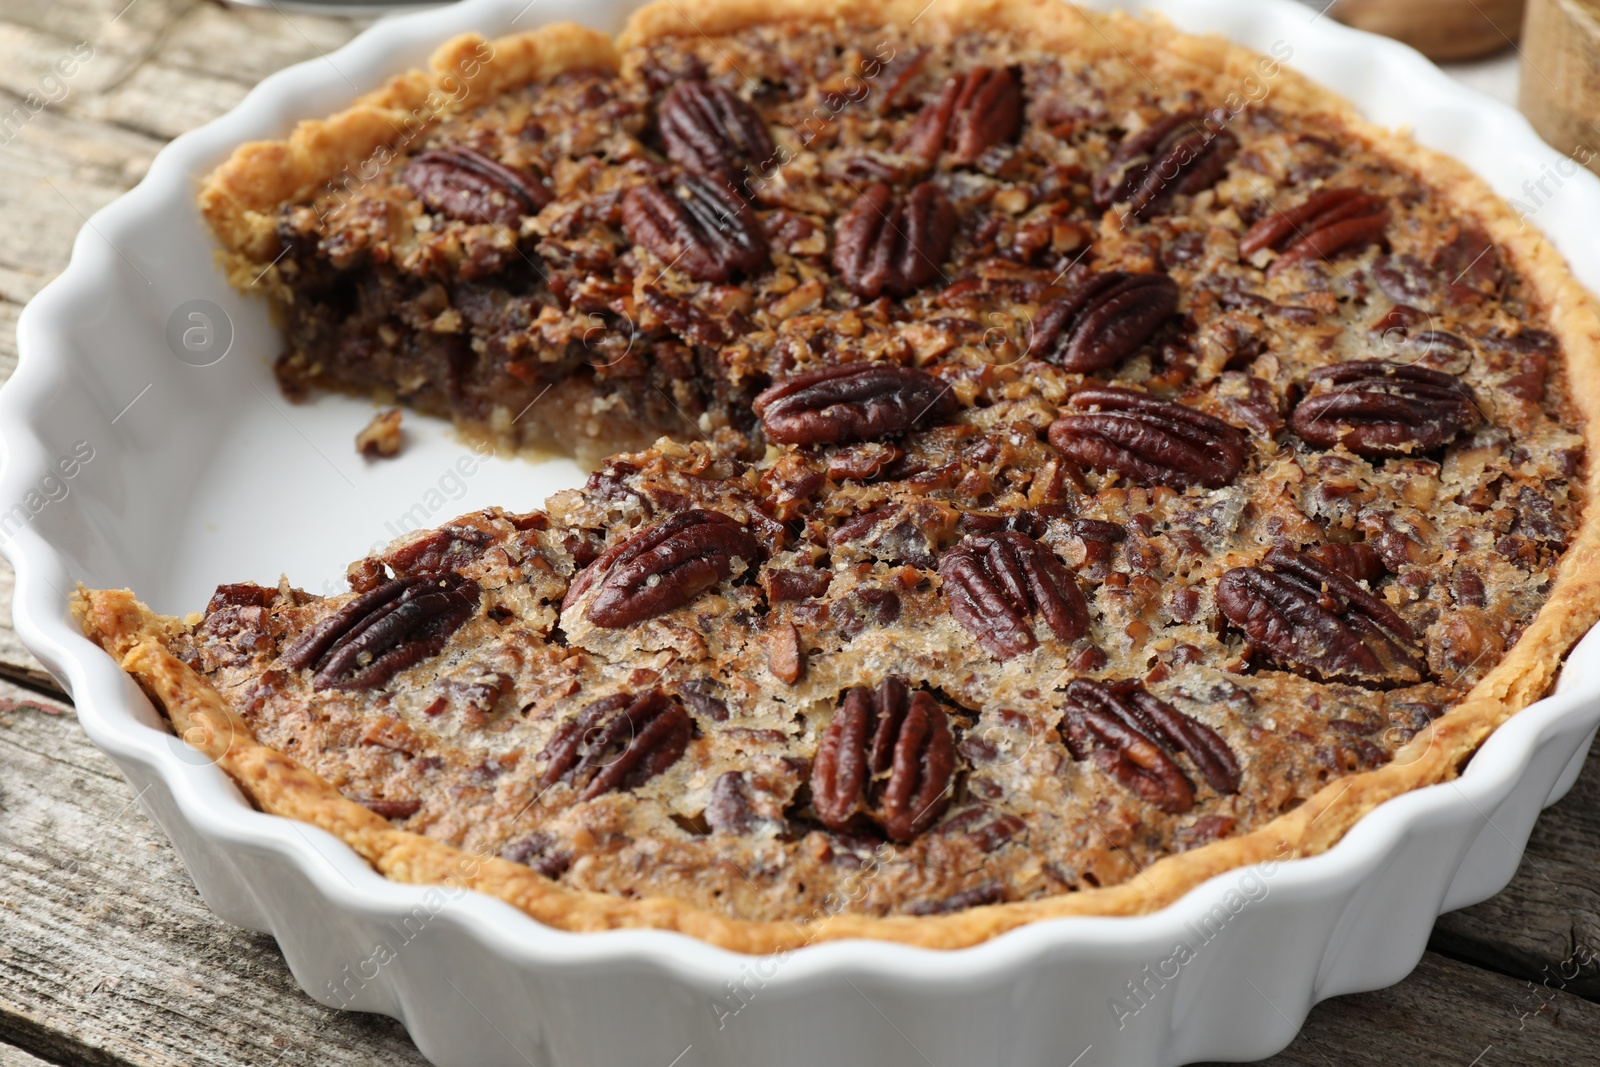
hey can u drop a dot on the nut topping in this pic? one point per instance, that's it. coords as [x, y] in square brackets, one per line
[1438, 350]
[714, 131]
[380, 633]
[864, 461]
[1327, 223]
[786, 655]
[1133, 736]
[663, 567]
[461, 184]
[973, 112]
[851, 402]
[1103, 321]
[699, 228]
[617, 743]
[732, 807]
[961, 424]
[890, 246]
[1471, 266]
[1359, 560]
[887, 757]
[1318, 622]
[995, 583]
[1378, 409]
[1149, 441]
[1175, 156]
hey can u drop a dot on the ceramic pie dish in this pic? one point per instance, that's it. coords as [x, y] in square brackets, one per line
[1270, 509]
[1253, 893]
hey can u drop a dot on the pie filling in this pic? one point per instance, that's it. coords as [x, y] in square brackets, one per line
[1061, 471]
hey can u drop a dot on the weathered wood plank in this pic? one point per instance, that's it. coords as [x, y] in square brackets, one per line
[1545, 926]
[16, 662]
[9, 310]
[61, 206]
[11, 1056]
[29, 58]
[17, 287]
[164, 101]
[110, 25]
[246, 44]
[108, 955]
[1447, 1013]
[57, 171]
[58, 143]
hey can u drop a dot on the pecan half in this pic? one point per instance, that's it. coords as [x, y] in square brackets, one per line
[1438, 350]
[786, 654]
[237, 626]
[1099, 540]
[239, 595]
[1319, 622]
[698, 227]
[887, 757]
[714, 131]
[864, 461]
[618, 742]
[1470, 265]
[390, 808]
[540, 851]
[379, 634]
[461, 184]
[976, 897]
[1177, 155]
[1103, 320]
[884, 245]
[995, 583]
[1149, 441]
[1359, 560]
[1376, 408]
[1133, 736]
[973, 112]
[449, 548]
[1327, 223]
[732, 808]
[662, 567]
[851, 402]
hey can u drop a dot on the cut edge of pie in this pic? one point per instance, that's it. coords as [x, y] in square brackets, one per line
[261, 175]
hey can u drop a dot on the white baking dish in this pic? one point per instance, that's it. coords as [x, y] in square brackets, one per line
[187, 468]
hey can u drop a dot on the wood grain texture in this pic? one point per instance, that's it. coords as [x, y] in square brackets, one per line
[11, 1056]
[246, 44]
[1448, 1013]
[114, 26]
[16, 662]
[162, 101]
[1545, 926]
[107, 954]
[8, 336]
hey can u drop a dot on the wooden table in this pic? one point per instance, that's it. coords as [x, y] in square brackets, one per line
[108, 956]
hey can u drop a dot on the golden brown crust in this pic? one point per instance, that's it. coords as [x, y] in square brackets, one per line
[240, 198]
[260, 176]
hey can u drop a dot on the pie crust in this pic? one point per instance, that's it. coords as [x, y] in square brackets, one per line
[240, 199]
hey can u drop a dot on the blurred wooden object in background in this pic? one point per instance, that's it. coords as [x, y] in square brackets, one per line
[1442, 30]
[1560, 88]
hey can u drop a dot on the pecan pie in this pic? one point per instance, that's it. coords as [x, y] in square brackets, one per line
[1090, 458]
